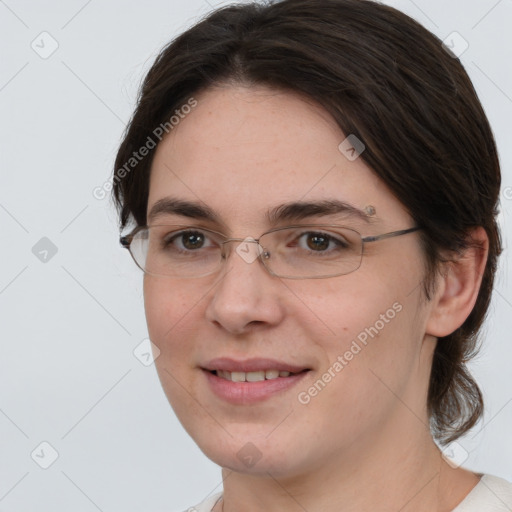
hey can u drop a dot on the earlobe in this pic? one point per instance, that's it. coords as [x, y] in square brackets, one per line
[458, 286]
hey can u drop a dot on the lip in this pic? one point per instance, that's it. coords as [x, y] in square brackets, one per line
[245, 393]
[251, 365]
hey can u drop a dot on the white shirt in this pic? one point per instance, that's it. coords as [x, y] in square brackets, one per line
[491, 494]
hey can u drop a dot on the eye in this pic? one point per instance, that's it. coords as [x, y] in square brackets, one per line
[190, 240]
[320, 242]
[317, 242]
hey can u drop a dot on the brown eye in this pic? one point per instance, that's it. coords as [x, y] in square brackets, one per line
[320, 243]
[186, 241]
[317, 242]
[192, 240]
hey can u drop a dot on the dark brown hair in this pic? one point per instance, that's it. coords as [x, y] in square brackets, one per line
[384, 78]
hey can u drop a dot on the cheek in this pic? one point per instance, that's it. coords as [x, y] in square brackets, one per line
[170, 305]
[348, 308]
[359, 383]
[374, 331]
[171, 315]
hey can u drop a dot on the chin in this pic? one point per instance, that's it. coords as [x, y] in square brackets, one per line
[256, 455]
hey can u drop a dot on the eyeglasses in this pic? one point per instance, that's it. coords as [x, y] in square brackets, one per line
[308, 251]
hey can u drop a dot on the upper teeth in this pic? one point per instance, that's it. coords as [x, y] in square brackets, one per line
[251, 376]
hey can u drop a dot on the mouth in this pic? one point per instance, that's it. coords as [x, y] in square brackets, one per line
[253, 380]
[256, 376]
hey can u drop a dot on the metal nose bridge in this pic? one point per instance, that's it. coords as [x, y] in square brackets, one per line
[247, 239]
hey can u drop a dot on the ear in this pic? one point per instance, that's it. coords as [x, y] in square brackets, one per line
[458, 286]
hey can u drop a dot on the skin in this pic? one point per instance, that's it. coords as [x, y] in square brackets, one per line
[363, 442]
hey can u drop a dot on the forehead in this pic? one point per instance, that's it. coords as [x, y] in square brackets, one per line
[242, 151]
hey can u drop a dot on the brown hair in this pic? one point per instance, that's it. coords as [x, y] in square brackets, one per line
[384, 78]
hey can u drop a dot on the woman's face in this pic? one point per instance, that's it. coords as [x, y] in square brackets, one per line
[240, 154]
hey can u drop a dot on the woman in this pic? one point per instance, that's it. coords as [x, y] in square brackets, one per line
[313, 187]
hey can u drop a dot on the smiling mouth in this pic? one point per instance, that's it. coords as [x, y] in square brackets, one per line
[257, 376]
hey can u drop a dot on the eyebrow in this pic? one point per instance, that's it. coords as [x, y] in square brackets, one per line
[300, 210]
[172, 206]
[293, 211]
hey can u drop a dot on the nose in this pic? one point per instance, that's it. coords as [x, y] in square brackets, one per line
[245, 295]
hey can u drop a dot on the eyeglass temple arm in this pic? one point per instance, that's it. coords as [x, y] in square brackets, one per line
[390, 235]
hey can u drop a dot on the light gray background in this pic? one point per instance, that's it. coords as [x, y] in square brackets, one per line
[68, 375]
